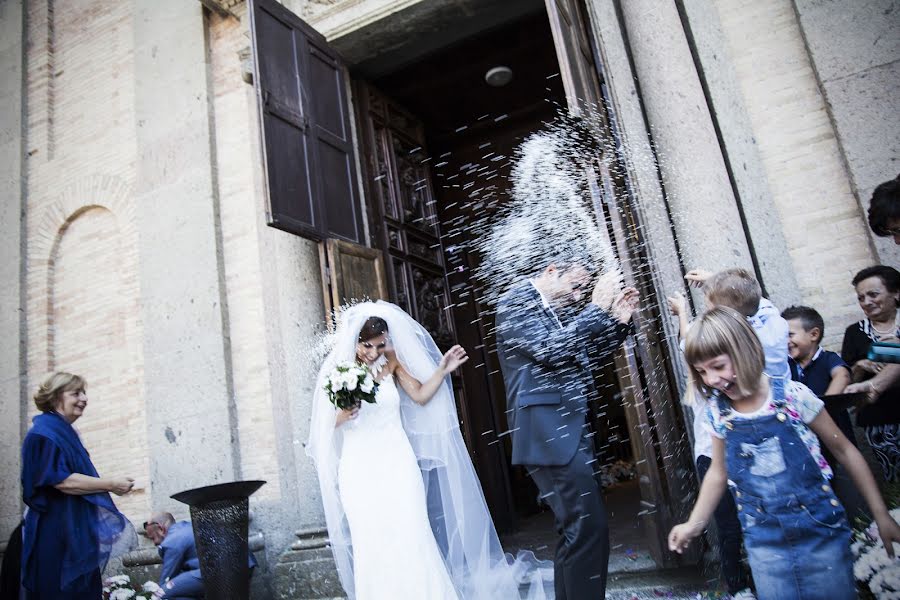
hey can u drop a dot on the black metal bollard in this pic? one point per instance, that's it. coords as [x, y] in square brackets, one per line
[220, 518]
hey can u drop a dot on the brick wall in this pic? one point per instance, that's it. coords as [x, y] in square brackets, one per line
[81, 273]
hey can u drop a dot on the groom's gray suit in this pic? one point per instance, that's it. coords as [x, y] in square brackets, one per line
[547, 371]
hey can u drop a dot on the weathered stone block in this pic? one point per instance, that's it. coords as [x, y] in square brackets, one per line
[307, 570]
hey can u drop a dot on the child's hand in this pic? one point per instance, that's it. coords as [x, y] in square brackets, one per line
[681, 535]
[889, 532]
[697, 277]
[677, 304]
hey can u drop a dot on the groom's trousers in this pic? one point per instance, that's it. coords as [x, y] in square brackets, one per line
[575, 495]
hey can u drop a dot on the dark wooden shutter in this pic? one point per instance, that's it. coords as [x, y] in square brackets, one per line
[307, 146]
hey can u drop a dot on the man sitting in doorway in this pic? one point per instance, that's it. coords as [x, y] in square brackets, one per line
[180, 576]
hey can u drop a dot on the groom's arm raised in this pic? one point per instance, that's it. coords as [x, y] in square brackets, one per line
[522, 332]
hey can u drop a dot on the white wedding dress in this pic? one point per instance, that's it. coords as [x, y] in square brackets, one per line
[395, 555]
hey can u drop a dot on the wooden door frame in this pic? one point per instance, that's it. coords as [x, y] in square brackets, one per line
[665, 474]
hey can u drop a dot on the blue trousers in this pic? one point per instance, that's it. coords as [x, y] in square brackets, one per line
[186, 584]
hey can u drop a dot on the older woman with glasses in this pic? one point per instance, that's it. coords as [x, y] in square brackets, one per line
[71, 526]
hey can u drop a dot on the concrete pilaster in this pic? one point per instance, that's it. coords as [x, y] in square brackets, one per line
[638, 153]
[191, 419]
[703, 208]
[12, 253]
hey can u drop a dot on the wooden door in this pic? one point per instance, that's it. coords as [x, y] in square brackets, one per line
[405, 225]
[350, 273]
[643, 365]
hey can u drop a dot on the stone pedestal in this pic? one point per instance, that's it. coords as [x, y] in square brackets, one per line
[307, 570]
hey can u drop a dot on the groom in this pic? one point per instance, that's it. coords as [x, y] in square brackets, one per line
[547, 372]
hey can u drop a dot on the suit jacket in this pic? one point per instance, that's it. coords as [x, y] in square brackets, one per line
[178, 551]
[547, 372]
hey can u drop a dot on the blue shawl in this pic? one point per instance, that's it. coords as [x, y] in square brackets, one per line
[90, 527]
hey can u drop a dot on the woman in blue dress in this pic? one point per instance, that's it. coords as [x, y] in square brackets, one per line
[71, 525]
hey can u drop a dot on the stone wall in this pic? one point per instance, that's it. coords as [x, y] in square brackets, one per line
[802, 160]
[83, 295]
[855, 50]
[12, 373]
[150, 269]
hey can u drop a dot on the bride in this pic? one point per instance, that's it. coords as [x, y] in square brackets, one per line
[405, 513]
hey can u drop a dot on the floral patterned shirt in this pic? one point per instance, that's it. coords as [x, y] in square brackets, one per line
[801, 405]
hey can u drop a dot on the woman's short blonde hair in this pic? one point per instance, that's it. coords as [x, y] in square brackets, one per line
[47, 396]
[719, 331]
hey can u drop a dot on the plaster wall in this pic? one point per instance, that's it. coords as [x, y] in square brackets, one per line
[739, 142]
[275, 308]
[700, 197]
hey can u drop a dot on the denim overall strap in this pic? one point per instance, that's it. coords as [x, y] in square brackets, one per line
[795, 531]
[779, 396]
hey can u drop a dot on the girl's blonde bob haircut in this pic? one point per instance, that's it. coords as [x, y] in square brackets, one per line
[48, 395]
[719, 331]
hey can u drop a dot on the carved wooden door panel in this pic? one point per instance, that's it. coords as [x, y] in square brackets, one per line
[403, 216]
[405, 224]
[664, 460]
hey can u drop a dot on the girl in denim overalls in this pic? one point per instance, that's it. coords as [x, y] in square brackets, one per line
[764, 433]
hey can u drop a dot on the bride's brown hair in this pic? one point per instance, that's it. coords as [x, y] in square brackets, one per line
[373, 327]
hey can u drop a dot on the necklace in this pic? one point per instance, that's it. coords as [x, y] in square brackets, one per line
[891, 331]
[376, 366]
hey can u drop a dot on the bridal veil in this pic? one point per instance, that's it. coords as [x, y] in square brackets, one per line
[457, 510]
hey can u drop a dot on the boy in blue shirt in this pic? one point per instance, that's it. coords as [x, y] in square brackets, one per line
[825, 373]
[822, 371]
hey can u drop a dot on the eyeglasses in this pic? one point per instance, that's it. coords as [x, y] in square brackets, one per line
[149, 523]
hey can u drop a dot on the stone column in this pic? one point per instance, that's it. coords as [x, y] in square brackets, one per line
[192, 434]
[12, 250]
[704, 212]
[748, 169]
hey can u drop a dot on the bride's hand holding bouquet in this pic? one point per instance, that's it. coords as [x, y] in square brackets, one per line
[347, 387]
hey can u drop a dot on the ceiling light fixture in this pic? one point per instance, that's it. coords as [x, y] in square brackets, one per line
[498, 76]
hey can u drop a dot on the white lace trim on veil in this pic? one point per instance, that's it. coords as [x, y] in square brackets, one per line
[456, 506]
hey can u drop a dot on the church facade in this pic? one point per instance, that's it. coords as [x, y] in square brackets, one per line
[190, 186]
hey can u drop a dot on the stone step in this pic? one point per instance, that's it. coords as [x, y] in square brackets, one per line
[678, 584]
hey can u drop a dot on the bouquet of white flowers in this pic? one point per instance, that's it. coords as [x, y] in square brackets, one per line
[873, 566]
[121, 588]
[349, 384]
